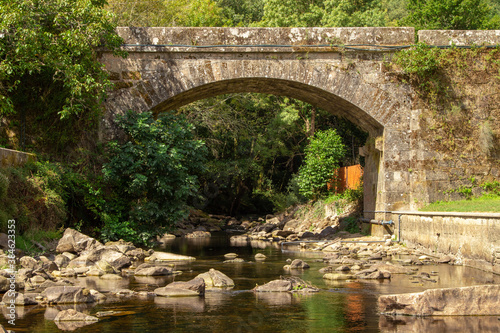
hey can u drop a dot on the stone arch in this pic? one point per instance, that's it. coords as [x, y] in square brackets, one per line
[161, 85]
[355, 88]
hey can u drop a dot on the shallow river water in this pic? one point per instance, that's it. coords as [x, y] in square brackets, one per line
[338, 307]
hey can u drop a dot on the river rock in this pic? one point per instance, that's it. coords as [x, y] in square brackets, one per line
[67, 294]
[19, 298]
[444, 260]
[230, 255]
[216, 279]
[260, 256]
[198, 234]
[328, 231]
[391, 268]
[4, 241]
[481, 300]
[174, 292]
[4, 284]
[105, 267]
[152, 270]
[70, 320]
[291, 225]
[235, 260]
[136, 254]
[165, 256]
[196, 284]
[73, 315]
[373, 274]
[275, 286]
[120, 246]
[299, 264]
[75, 242]
[343, 268]
[115, 258]
[28, 262]
[61, 261]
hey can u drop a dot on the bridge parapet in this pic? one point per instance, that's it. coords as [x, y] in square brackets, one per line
[195, 37]
[459, 37]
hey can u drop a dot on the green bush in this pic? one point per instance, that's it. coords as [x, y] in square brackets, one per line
[323, 155]
[149, 178]
[34, 195]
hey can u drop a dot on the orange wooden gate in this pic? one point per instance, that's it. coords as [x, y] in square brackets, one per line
[347, 178]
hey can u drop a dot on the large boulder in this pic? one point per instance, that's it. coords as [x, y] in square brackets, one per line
[216, 279]
[65, 294]
[19, 298]
[28, 262]
[73, 315]
[121, 246]
[194, 287]
[481, 300]
[275, 286]
[196, 284]
[4, 284]
[198, 234]
[147, 269]
[115, 258]
[70, 320]
[175, 292]
[75, 242]
[297, 264]
[165, 256]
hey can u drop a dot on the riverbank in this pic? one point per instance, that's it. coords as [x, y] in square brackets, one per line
[115, 281]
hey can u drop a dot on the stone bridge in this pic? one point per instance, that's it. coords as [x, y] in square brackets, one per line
[340, 70]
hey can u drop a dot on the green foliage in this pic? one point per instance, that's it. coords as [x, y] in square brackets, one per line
[449, 14]
[349, 195]
[167, 13]
[323, 155]
[484, 203]
[151, 176]
[49, 50]
[492, 188]
[348, 13]
[419, 62]
[292, 13]
[242, 12]
[34, 195]
[351, 224]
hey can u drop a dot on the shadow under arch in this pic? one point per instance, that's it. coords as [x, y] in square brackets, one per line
[306, 93]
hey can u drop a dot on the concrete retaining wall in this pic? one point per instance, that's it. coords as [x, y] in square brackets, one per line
[10, 157]
[473, 237]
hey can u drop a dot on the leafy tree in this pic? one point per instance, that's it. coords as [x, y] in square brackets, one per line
[242, 12]
[448, 14]
[166, 13]
[348, 13]
[151, 176]
[49, 51]
[323, 156]
[292, 13]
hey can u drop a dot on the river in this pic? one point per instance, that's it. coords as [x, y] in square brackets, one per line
[347, 306]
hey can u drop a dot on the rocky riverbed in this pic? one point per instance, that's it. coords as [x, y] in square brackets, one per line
[80, 266]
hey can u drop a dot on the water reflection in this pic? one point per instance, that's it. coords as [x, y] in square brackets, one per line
[275, 299]
[183, 304]
[96, 283]
[341, 306]
[439, 324]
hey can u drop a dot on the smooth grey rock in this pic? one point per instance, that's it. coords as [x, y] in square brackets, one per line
[483, 300]
[275, 286]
